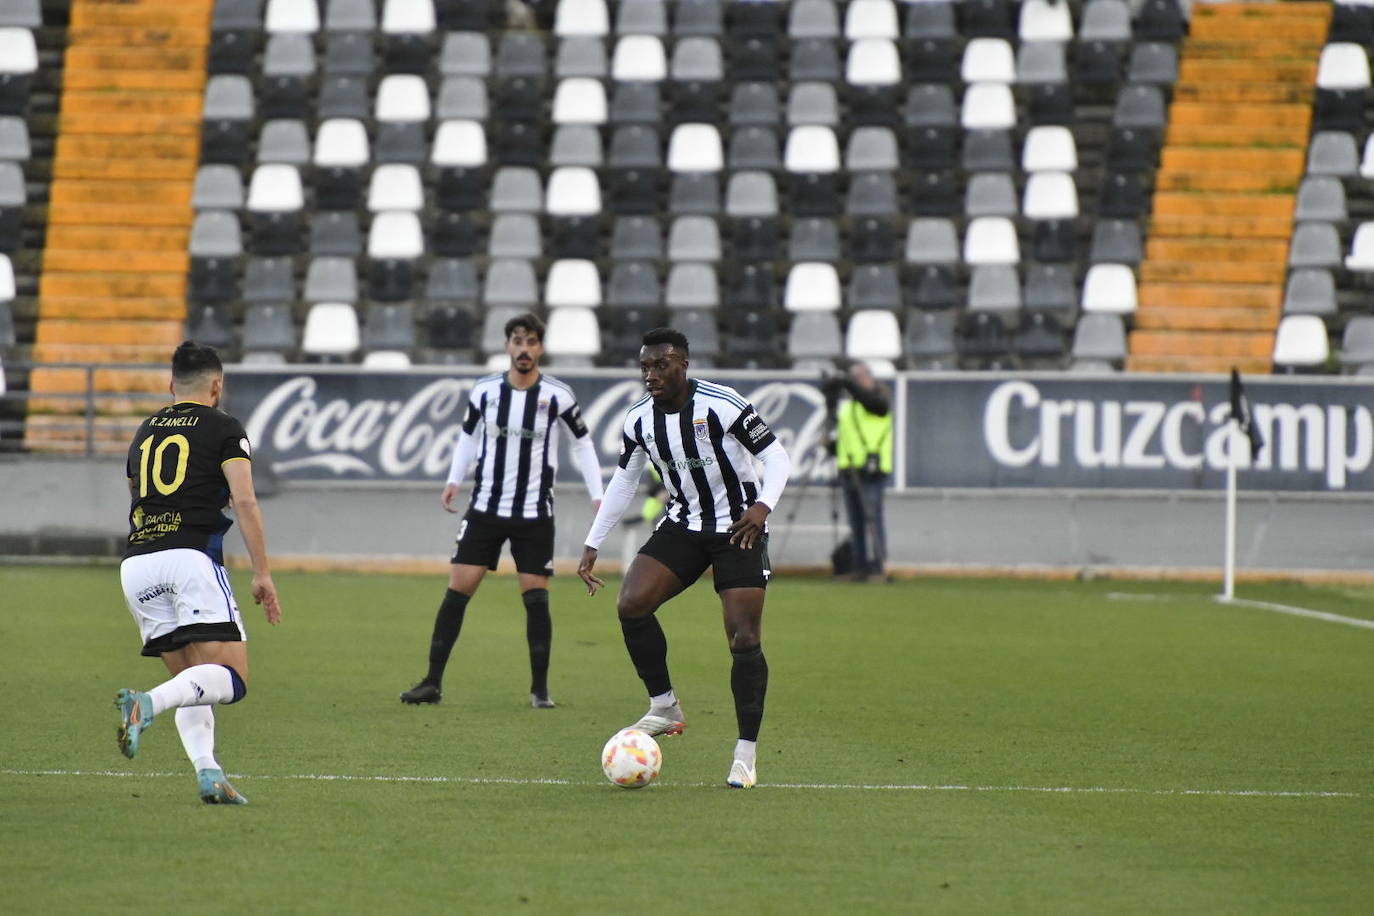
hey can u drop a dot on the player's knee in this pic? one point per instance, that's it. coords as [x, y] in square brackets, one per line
[744, 639]
[629, 606]
[239, 683]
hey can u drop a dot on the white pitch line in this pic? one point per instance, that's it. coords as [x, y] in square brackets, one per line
[815, 786]
[1246, 602]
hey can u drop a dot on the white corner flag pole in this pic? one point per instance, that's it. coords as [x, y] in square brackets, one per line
[1228, 588]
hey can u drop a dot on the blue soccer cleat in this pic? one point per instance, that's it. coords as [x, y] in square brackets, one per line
[135, 715]
[216, 790]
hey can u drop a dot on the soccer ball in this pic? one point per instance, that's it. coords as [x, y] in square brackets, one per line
[631, 759]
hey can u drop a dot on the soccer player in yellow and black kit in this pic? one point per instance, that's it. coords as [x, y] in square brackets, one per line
[186, 462]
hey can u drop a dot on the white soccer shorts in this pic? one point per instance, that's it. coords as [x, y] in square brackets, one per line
[176, 588]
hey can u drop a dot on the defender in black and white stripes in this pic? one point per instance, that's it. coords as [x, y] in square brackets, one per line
[510, 434]
[703, 439]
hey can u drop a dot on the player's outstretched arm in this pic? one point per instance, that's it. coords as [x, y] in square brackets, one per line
[464, 455]
[239, 474]
[584, 570]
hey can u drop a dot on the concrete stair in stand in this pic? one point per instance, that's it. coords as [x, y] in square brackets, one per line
[1211, 284]
[113, 282]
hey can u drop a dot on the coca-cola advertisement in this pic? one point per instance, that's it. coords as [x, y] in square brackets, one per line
[342, 424]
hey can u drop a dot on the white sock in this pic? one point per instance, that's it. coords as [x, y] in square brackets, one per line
[199, 685]
[196, 726]
[746, 751]
[664, 699]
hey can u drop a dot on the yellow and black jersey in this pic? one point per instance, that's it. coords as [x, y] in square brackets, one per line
[176, 473]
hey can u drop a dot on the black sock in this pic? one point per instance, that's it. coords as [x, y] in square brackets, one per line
[447, 623]
[649, 651]
[539, 634]
[749, 684]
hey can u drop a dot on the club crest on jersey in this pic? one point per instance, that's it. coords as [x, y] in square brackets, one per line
[700, 430]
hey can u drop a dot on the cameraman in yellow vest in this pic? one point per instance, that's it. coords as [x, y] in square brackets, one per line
[863, 461]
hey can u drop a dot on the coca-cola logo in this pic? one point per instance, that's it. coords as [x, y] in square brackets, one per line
[388, 437]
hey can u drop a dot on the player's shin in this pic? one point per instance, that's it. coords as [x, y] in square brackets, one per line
[539, 635]
[648, 648]
[749, 684]
[448, 623]
[196, 726]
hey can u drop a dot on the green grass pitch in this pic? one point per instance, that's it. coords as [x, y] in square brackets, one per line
[930, 746]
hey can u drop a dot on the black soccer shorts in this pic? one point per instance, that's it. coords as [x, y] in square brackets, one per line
[689, 553]
[481, 536]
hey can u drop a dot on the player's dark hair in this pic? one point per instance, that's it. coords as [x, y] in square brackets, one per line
[666, 336]
[530, 322]
[191, 361]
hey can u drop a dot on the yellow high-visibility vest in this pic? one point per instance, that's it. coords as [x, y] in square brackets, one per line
[859, 433]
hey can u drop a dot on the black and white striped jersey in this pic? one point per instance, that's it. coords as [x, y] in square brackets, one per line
[516, 435]
[703, 453]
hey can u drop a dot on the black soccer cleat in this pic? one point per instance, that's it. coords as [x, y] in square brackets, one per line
[423, 692]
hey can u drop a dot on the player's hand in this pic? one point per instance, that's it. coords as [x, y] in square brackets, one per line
[450, 494]
[584, 569]
[265, 593]
[747, 530]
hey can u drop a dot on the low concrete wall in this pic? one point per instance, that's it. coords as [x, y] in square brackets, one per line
[51, 507]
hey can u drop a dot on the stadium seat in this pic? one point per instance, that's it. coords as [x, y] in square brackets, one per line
[1116, 241]
[1319, 245]
[1049, 148]
[995, 288]
[983, 342]
[465, 54]
[335, 232]
[988, 60]
[754, 104]
[452, 280]
[572, 283]
[988, 106]
[813, 19]
[1110, 289]
[580, 57]
[1050, 195]
[633, 284]
[581, 17]
[990, 194]
[395, 187]
[813, 103]
[1333, 152]
[1357, 343]
[754, 238]
[1040, 342]
[1310, 291]
[331, 332]
[931, 241]
[991, 240]
[636, 238]
[641, 17]
[268, 280]
[1343, 65]
[291, 16]
[694, 238]
[814, 340]
[1044, 21]
[1320, 198]
[1041, 62]
[331, 279]
[1300, 344]
[350, 16]
[691, 286]
[935, 286]
[1316, 251]
[814, 239]
[1050, 288]
[1099, 339]
[875, 286]
[216, 187]
[285, 141]
[267, 328]
[576, 144]
[873, 336]
[812, 287]
[928, 340]
[573, 337]
[389, 328]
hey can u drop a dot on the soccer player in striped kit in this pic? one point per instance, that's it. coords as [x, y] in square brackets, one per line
[510, 432]
[703, 439]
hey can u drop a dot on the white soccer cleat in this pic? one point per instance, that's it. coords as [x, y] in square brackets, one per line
[742, 775]
[661, 720]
